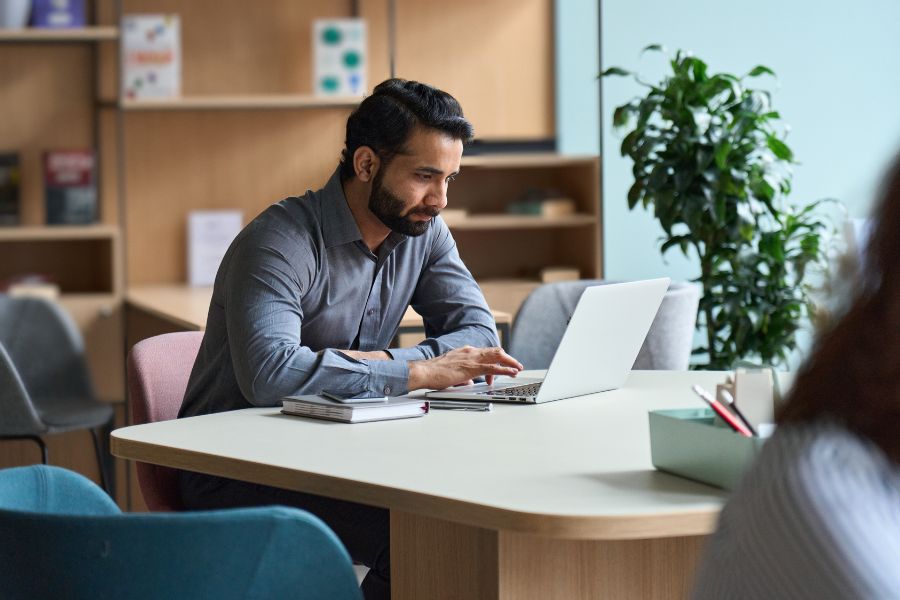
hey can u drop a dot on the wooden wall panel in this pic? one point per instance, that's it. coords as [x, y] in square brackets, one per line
[46, 99]
[495, 57]
[195, 160]
[239, 47]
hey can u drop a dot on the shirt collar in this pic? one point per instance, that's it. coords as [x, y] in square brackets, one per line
[338, 225]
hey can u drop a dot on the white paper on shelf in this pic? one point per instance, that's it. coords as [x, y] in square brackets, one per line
[339, 57]
[209, 234]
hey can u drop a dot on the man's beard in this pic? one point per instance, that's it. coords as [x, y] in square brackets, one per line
[389, 210]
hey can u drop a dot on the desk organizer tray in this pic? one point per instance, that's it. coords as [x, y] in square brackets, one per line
[693, 443]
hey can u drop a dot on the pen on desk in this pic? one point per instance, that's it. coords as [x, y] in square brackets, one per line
[723, 412]
[457, 405]
[343, 400]
[729, 400]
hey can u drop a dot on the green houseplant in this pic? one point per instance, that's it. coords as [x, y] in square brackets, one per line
[710, 158]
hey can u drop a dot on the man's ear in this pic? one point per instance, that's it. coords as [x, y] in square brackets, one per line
[366, 163]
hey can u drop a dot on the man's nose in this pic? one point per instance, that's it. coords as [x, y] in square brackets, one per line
[437, 196]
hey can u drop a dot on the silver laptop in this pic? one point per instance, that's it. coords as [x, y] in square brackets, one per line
[596, 353]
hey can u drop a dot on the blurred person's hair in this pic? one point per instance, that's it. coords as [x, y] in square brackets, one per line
[853, 374]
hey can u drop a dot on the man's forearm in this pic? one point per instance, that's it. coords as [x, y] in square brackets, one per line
[371, 355]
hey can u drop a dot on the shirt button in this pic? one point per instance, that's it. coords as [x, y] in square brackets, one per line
[387, 390]
[371, 312]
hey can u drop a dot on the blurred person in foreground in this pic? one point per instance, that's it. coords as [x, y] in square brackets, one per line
[818, 515]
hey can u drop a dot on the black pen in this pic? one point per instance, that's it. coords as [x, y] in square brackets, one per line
[342, 400]
[729, 400]
[460, 405]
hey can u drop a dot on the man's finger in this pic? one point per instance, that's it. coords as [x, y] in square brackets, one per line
[499, 356]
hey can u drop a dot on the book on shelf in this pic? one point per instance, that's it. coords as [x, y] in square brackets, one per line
[543, 203]
[151, 56]
[339, 57]
[57, 13]
[318, 407]
[70, 187]
[10, 176]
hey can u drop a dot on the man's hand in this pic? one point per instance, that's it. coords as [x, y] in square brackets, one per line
[461, 364]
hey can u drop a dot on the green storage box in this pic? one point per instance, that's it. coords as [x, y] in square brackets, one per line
[694, 443]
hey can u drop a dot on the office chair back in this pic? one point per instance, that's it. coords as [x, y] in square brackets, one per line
[71, 541]
[158, 373]
[543, 317]
[45, 386]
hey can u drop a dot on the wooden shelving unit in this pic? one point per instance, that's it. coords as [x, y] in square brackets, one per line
[50, 98]
[77, 34]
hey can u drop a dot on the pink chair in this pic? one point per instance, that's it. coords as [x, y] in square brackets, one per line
[158, 372]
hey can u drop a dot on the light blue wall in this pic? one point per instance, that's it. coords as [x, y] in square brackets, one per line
[577, 86]
[838, 66]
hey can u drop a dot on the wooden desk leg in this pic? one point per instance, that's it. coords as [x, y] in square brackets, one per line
[436, 559]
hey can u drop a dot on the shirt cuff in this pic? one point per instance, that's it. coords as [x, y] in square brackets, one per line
[388, 377]
[405, 354]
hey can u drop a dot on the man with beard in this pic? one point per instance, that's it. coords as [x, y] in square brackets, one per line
[311, 293]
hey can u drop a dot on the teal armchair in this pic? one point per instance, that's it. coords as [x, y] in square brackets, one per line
[62, 537]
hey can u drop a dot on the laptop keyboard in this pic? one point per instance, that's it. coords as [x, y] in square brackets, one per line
[529, 389]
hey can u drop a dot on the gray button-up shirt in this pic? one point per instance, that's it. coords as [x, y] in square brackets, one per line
[298, 283]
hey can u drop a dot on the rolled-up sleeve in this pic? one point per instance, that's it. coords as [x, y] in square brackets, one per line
[264, 316]
[451, 304]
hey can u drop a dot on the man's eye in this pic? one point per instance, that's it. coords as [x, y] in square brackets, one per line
[424, 176]
[451, 179]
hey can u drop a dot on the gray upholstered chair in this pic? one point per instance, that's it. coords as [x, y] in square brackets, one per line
[542, 319]
[45, 387]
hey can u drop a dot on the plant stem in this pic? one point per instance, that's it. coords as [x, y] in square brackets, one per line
[706, 272]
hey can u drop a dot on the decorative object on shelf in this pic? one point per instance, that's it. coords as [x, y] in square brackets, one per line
[710, 157]
[453, 216]
[34, 285]
[10, 180]
[151, 56]
[70, 187]
[562, 273]
[14, 14]
[57, 13]
[542, 203]
[339, 57]
[210, 232]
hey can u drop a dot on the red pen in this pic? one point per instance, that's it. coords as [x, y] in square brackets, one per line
[723, 412]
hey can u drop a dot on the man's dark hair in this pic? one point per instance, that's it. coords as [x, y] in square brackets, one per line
[385, 120]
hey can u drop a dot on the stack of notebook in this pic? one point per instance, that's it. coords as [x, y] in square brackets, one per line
[354, 412]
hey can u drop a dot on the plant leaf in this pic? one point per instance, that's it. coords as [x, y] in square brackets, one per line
[653, 48]
[616, 71]
[760, 70]
[721, 156]
[779, 148]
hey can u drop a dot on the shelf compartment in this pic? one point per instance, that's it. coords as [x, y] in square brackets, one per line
[82, 265]
[506, 221]
[75, 34]
[243, 102]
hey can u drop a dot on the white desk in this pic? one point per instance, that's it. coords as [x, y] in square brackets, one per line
[557, 500]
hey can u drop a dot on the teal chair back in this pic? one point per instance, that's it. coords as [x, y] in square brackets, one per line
[62, 537]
